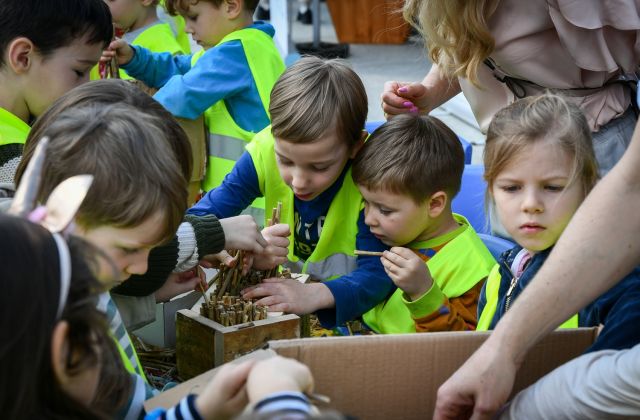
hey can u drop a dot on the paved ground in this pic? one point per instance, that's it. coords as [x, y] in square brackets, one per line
[377, 63]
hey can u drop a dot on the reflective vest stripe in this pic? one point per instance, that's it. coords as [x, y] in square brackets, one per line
[333, 255]
[331, 267]
[226, 147]
[492, 292]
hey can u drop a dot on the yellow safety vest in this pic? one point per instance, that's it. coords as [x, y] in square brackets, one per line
[12, 129]
[157, 38]
[333, 256]
[492, 290]
[227, 140]
[456, 268]
[177, 24]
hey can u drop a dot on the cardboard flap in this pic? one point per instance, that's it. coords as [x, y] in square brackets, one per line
[171, 397]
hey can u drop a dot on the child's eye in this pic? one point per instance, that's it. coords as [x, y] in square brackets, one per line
[554, 188]
[385, 212]
[510, 188]
[319, 168]
[283, 161]
[79, 73]
[129, 251]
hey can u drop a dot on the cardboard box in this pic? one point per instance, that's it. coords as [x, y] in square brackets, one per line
[162, 331]
[396, 376]
[203, 344]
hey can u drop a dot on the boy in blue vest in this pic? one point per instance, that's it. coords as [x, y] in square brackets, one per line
[408, 172]
[229, 81]
[304, 161]
[47, 48]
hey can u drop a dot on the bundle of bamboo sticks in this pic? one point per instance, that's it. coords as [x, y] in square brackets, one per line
[224, 305]
[232, 310]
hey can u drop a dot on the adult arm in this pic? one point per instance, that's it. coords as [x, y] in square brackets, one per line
[423, 97]
[600, 245]
[604, 384]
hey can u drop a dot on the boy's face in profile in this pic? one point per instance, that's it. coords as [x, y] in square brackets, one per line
[310, 168]
[207, 23]
[50, 77]
[128, 248]
[396, 219]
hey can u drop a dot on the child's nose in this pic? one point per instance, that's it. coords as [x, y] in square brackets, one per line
[532, 202]
[299, 179]
[139, 264]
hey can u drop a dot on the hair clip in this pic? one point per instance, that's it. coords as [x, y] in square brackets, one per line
[56, 215]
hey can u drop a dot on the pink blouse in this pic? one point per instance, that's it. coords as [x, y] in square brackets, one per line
[562, 44]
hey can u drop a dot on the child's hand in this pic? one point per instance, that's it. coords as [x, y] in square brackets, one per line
[241, 232]
[179, 283]
[275, 253]
[407, 271]
[226, 395]
[119, 49]
[291, 296]
[278, 374]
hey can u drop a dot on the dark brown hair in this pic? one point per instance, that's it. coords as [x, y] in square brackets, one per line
[28, 385]
[412, 155]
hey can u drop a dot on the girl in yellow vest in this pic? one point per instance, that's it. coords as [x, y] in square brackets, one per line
[539, 166]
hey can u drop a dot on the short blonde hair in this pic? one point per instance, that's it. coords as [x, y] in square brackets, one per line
[315, 95]
[456, 34]
[547, 117]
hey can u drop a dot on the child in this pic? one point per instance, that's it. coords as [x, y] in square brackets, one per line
[231, 79]
[304, 161]
[47, 49]
[408, 172]
[139, 24]
[539, 166]
[53, 348]
[136, 181]
[196, 236]
[56, 353]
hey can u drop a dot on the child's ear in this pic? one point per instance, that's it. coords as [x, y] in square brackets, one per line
[20, 54]
[358, 145]
[438, 202]
[60, 351]
[233, 8]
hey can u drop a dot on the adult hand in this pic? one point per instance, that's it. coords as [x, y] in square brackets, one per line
[179, 283]
[278, 374]
[277, 249]
[289, 295]
[241, 232]
[225, 396]
[480, 387]
[407, 271]
[120, 49]
[404, 98]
